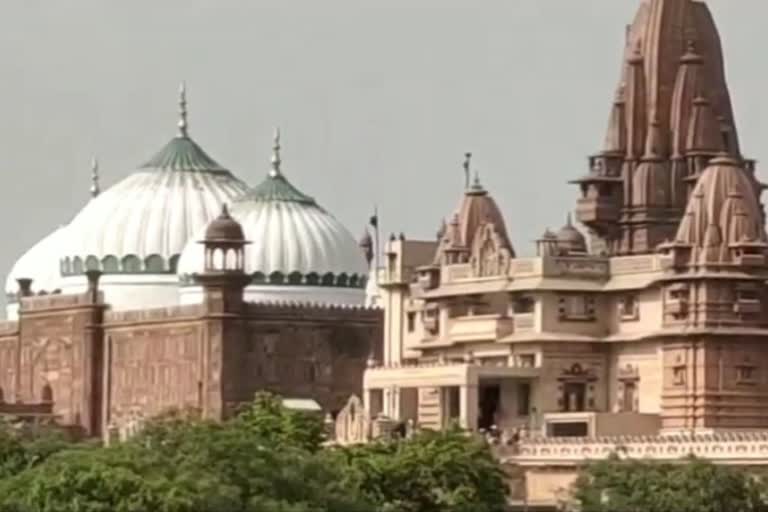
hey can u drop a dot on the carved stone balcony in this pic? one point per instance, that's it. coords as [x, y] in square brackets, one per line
[480, 328]
[596, 210]
[525, 322]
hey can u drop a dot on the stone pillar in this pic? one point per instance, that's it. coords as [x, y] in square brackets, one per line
[468, 400]
[25, 287]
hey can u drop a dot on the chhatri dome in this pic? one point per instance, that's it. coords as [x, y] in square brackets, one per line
[298, 251]
[135, 231]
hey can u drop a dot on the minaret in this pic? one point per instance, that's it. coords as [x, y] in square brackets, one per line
[223, 280]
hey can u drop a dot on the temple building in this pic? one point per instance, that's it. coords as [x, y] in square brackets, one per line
[181, 286]
[639, 325]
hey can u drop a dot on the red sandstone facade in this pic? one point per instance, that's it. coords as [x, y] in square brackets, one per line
[96, 369]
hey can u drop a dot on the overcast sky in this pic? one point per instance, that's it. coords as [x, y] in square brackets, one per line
[377, 100]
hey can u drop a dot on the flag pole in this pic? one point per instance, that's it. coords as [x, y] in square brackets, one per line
[378, 241]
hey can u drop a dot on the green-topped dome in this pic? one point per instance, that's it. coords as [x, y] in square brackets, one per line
[277, 188]
[297, 251]
[141, 224]
[182, 154]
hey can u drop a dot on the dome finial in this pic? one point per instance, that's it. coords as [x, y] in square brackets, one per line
[467, 160]
[276, 155]
[95, 188]
[183, 110]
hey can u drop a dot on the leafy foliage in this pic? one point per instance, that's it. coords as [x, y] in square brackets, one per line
[691, 486]
[267, 459]
[431, 472]
[266, 418]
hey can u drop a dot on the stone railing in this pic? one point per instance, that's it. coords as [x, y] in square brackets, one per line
[733, 448]
[479, 327]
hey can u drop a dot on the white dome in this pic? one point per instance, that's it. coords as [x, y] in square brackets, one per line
[141, 224]
[295, 245]
[40, 264]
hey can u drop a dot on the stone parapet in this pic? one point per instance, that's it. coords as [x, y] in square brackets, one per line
[45, 302]
[148, 315]
[741, 448]
[310, 311]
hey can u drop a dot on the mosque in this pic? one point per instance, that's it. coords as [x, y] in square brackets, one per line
[182, 286]
[143, 235]
[639, 328]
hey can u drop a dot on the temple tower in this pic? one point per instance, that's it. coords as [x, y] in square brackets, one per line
[671, 115]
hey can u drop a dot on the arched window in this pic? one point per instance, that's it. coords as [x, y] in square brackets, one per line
[47, 394]
[353, 281]
[313, 279]
[341, 280]
[77, 265]
[259, 278]
[66, 266]
[218, 259]
[110, 264]
[276, 278]
[92, 263]
[328, 279]
[154, 263]
[131, 263]
[295, 278]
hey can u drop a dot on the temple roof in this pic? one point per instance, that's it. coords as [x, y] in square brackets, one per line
[723, 212]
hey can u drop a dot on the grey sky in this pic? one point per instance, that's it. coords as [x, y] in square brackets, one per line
[377, 100]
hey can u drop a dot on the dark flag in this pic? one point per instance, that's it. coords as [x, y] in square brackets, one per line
[375, 220]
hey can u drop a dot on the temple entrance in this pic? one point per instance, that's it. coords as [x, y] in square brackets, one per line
[575, 396]
[576, 389]
[490, 396]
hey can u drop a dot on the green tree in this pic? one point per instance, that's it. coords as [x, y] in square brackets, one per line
[181, 463]
[688, 486]
[22, 448]
[430, 472]
[266, 418]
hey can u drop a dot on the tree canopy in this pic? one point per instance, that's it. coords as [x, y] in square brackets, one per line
[688, 486]
[267, 459]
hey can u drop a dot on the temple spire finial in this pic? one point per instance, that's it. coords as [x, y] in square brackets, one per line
[95, 187]
[276, 161]
[467, 160]
[183, 110]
